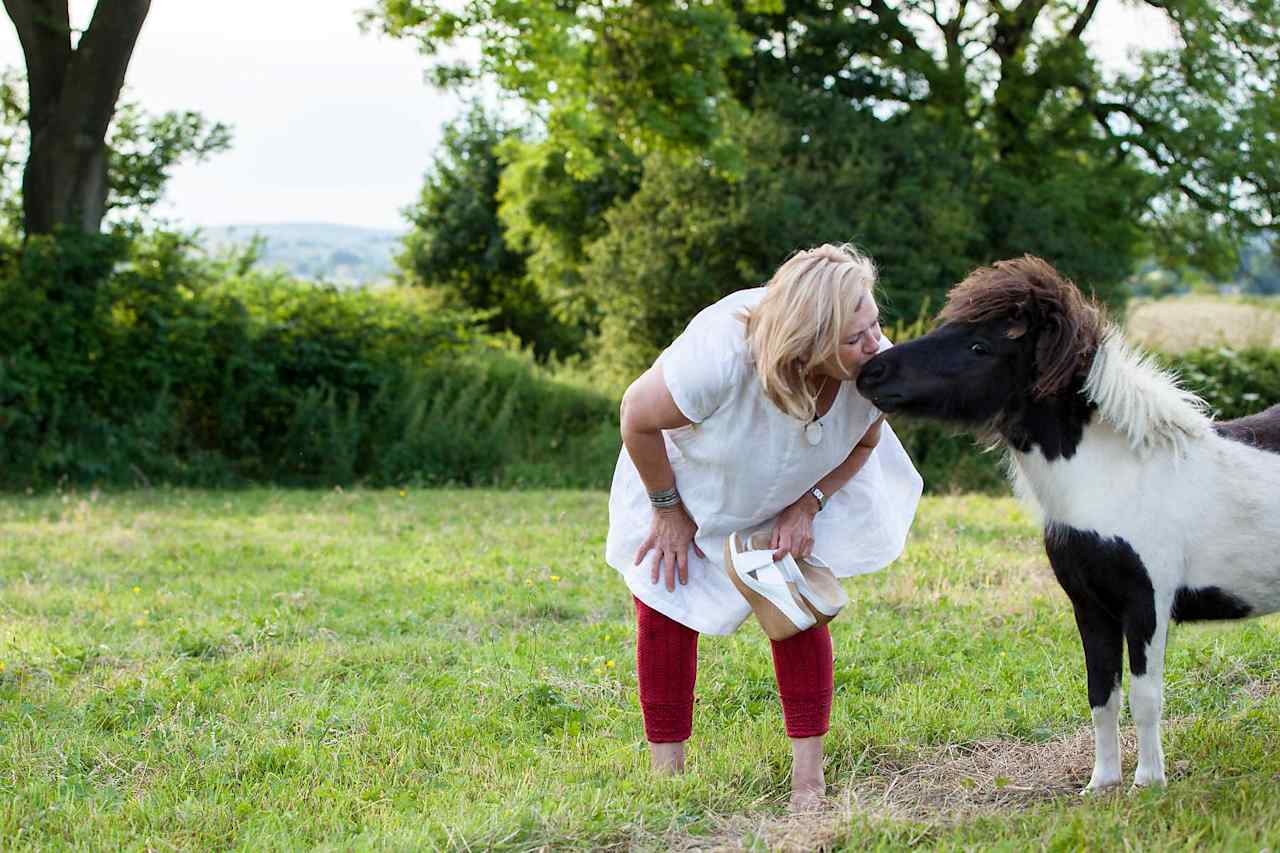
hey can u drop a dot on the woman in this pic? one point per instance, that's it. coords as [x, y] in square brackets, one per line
[751, 417]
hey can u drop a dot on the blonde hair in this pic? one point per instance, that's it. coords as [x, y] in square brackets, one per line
[799, 323]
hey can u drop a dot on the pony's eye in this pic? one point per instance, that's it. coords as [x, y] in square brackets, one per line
[980, 349]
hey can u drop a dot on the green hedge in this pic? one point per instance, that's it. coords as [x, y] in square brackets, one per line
[1235, 383]
[127, 362]
[481, 418]
[139, 362]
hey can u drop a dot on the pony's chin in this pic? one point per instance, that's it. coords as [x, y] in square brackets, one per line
[889, 403]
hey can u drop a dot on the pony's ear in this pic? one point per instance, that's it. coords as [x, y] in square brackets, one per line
[1056, 357]
[1066, 336]
[1018, 324]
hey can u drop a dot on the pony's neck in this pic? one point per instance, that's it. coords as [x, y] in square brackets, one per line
[1121, 390]
[1054, 425]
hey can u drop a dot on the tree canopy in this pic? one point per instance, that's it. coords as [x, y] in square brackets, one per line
[459, 246]
[662, 107]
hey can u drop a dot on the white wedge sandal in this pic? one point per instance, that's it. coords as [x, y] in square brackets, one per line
[819, 587]
[787, 596]
[769, 587]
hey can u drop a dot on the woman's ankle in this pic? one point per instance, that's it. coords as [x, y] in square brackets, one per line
[808, 785]
[668, 758]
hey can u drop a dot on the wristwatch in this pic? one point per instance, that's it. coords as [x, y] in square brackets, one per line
[822, 498]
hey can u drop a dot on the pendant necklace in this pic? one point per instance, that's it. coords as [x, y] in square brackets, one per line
[813, 429]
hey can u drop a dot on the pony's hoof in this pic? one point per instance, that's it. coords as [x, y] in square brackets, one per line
[1143, 784]
[1145, 777]
[1102, 787]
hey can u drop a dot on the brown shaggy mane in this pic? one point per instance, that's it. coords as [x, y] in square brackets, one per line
[1035, 297]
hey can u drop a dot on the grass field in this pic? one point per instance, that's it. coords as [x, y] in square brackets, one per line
[455, 669]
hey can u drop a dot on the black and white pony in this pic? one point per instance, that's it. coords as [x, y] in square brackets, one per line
[1152, 511]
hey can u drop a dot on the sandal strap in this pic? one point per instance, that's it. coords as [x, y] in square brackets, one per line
[747, 563]
[751, 561]
[811, 596]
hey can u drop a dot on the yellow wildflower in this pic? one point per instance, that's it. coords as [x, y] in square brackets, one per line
[555, 578]
[609, 663]
[137, 589]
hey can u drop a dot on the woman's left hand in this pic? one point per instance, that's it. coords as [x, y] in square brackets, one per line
[793, 531]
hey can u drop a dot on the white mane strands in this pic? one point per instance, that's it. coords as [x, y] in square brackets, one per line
[1141, 400]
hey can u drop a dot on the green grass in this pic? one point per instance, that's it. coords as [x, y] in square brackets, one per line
[276, 669]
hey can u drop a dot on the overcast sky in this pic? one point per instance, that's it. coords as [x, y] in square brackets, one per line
[329, 124]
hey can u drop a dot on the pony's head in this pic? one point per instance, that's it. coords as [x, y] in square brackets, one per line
[1012, 334]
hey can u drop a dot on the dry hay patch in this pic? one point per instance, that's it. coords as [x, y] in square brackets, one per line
[959, 782]
[1257, 690]
[821, 829]
[948, 785]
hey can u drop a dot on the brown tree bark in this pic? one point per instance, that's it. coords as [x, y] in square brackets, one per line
[73, 94]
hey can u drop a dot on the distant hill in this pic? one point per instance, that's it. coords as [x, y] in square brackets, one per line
[341, 254]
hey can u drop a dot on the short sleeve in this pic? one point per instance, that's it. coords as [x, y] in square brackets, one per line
[701, 369]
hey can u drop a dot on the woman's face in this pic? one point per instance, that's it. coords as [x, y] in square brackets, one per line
[858, 343]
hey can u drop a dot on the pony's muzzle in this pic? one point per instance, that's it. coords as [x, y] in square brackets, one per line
[874, 371]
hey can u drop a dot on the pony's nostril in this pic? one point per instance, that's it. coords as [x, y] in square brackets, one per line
[874, 370]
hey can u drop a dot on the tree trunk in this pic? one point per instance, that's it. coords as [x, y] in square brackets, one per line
[73, 95]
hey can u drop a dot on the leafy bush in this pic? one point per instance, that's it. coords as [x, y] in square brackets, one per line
[494, 419]
[1234, 383]
[136, 360]
[141, 362]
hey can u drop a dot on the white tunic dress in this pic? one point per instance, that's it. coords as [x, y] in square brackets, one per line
[742, 462]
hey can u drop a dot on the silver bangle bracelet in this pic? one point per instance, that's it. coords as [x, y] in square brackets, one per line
[664, 498]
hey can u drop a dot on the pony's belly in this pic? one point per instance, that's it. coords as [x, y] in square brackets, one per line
[1205, 523]
[1234, 541]
[1241, 560]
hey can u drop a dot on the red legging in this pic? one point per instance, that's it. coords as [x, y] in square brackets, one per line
[667, 666]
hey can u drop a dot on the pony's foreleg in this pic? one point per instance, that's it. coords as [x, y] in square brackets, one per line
[1103, 639]
[1146, 696]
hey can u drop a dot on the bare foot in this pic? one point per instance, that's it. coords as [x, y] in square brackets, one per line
[807, 800]
[668, 758]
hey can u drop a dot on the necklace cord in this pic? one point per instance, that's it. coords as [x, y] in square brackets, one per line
[817, 397]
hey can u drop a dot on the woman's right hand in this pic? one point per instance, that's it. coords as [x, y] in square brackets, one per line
[670, 535]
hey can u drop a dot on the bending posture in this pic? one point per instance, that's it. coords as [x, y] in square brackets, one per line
[1152, 512]
[749, 420]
